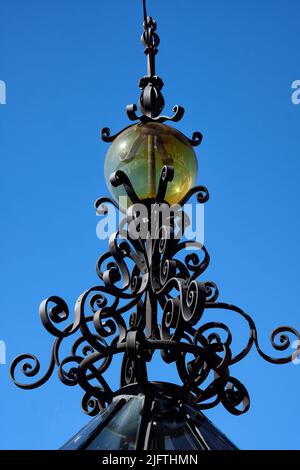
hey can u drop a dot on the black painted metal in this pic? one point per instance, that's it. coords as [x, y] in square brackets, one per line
[152, 297]
[155, 283]
[151, 101]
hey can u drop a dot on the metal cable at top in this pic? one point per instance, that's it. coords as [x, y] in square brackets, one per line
[145, 11]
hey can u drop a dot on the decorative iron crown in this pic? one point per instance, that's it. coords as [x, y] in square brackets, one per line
[151, 297]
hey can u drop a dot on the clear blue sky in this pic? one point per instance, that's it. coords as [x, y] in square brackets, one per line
[70, 68]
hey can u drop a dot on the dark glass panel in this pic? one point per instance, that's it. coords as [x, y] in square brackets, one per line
[84, 434]
[121, 432]
[211, 435]
[170, 431]
[215, 439]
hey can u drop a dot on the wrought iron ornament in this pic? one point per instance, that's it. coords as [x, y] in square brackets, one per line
[151, 101]
[152, 297]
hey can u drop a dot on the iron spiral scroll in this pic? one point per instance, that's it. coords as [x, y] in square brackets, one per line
[150, 299]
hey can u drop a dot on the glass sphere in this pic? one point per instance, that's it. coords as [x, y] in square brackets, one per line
[142, 150]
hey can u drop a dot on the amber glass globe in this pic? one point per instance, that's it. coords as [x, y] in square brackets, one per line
[142, 150]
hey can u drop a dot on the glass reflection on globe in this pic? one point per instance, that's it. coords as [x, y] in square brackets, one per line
[142, 150]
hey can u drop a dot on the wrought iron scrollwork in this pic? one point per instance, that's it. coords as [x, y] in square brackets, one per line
[151, 101]
[152, 298]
